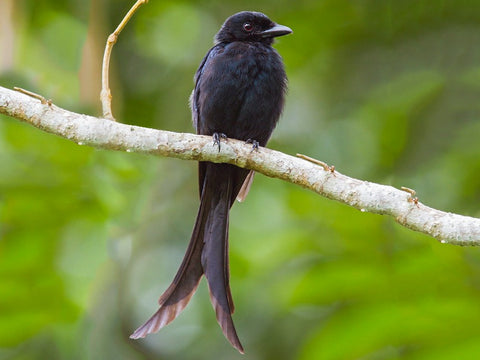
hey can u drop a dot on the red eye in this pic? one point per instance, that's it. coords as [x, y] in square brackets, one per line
[247, 27]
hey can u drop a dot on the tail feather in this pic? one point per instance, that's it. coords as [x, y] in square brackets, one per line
[225, 321]
[247, 184]
[227, 275]
[215, 264]
[184, 285]
[168, 311]
[207, 254]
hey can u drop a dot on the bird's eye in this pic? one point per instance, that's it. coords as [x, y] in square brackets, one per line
[247, 27]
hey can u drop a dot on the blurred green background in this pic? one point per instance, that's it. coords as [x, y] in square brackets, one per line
[387, 91]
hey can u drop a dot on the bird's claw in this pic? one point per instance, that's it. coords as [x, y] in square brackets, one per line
[255, 144]
[217, 138]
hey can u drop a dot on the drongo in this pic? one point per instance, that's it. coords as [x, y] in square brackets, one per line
[239, 93]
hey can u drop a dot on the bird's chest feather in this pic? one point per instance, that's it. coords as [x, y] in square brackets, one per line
[239, 89]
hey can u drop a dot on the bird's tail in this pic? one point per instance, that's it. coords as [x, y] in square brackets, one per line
[207, 254]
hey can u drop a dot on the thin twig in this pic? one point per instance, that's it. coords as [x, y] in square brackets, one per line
[106, 94]
[34, 95]
[325, 166]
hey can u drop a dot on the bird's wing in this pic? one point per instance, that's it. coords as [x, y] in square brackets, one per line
[196, 90]
[195, 106]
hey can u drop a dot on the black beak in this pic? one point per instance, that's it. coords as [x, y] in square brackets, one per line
[277, 30]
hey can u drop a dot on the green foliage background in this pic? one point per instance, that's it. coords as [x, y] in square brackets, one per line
[387, 91]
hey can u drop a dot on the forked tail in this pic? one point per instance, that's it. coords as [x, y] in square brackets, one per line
[207, 254]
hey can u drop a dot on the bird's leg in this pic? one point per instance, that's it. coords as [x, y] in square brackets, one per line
[255, 144]
[217, 137]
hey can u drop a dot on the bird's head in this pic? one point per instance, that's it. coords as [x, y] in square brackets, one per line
[250, 26]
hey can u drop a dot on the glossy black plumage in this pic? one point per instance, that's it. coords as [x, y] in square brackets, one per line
[239, 91]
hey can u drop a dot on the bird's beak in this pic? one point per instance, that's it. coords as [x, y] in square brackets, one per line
[277, 30]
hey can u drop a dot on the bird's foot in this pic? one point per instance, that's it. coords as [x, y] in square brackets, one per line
[217, 138]
[255, 144]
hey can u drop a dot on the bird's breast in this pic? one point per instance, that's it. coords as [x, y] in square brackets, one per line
[241, 91]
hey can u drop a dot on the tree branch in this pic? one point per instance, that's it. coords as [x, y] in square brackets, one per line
[365, 196]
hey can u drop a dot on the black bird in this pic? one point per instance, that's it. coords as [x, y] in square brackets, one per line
[239, 93]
